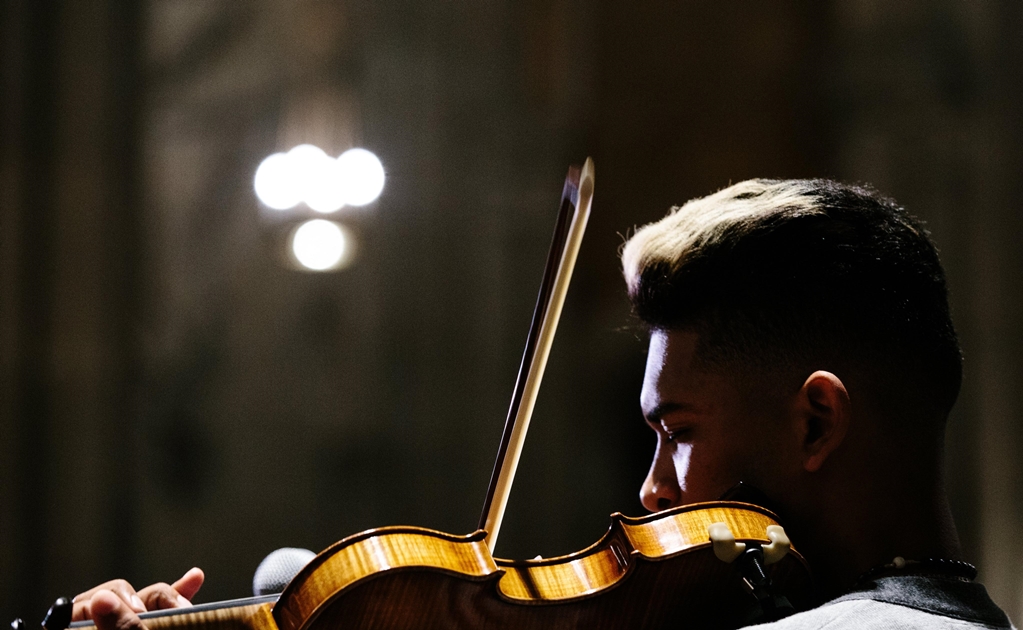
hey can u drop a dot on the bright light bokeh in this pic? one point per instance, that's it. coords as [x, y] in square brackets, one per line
[363, 176]
[325, 191]
[275, 184]
[307, 174]
[319, 245]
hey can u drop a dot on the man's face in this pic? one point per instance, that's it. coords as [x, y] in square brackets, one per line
[707, 438]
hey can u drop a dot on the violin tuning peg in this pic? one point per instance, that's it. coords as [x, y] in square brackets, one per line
[779, 545]
[725, 547]
[58, 617]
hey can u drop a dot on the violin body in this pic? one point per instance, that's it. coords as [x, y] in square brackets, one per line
[657, 571]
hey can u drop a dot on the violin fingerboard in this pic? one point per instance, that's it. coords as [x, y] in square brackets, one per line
[246, 617]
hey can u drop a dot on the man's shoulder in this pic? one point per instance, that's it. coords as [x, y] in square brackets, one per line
[868, 614]
[903, 602]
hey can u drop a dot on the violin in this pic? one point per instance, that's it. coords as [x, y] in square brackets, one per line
[721, 564]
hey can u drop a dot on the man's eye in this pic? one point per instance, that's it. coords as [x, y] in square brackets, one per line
[679, 435]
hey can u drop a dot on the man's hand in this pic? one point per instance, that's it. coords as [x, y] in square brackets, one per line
[115, 605]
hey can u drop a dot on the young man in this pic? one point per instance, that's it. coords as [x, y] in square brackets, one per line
[800, 342]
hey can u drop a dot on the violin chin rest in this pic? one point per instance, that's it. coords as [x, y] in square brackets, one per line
[727, 549]
[779, 545]
[723, 540]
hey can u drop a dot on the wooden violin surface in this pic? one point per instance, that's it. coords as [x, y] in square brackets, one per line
[656, 571]
[651, 572]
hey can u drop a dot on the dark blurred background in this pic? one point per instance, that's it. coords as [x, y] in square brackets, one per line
[176, 393]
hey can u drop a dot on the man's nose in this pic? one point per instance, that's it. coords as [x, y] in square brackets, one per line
[660, 490]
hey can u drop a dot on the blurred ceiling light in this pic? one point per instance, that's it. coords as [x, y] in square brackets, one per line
[311, 173]
[324, 186]
[275, 184]
[364, 176]
[320, 245]
[306, 173]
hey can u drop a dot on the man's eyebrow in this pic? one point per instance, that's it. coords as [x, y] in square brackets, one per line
[664, 408]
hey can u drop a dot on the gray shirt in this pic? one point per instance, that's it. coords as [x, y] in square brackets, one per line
[902, 602]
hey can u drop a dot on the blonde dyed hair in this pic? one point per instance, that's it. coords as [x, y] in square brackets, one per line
[802, 273]
[689, 229]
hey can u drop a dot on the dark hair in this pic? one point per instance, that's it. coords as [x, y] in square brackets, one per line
[803, 272]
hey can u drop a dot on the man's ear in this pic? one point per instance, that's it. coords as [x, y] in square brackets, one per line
[823, 413]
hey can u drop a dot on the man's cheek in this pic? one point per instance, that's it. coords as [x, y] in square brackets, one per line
[682, 458]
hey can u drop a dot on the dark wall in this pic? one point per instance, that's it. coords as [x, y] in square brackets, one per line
[70, 256]
[173, 394]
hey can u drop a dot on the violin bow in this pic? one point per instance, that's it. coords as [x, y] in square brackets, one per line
[576, 199]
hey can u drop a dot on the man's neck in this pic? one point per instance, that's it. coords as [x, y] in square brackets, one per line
[866, 525]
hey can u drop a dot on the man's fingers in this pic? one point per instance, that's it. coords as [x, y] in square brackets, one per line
[109, 612]
[121, 588]
[154, 597]
[160, 596]
[80, 609]
[189, 583]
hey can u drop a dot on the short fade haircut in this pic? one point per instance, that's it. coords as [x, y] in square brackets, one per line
[808, 274]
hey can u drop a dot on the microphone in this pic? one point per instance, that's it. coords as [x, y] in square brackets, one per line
[277, 569]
